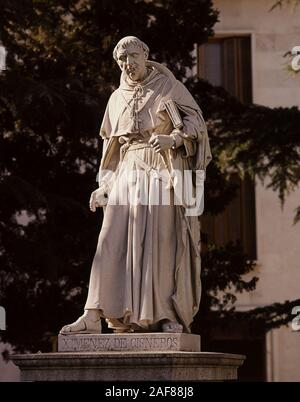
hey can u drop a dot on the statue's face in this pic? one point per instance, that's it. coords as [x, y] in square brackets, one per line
[132, 60]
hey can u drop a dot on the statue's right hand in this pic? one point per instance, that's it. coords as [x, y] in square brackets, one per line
[98, 198]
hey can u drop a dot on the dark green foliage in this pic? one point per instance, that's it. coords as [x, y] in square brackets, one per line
[252, 138]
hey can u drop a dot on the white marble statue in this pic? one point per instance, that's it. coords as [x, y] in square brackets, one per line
[146, 271]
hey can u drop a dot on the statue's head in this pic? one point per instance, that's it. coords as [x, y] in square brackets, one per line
[131, 54]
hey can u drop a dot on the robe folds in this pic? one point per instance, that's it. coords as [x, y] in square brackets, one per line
[147, 263]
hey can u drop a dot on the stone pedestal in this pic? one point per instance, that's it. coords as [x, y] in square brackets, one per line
[129, 357]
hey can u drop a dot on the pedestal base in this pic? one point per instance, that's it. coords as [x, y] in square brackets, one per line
[129, 357]
[129, 366]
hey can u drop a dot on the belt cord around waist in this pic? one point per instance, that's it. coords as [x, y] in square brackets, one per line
[131, 146]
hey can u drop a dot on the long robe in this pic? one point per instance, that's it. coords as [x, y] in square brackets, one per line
[147, 264]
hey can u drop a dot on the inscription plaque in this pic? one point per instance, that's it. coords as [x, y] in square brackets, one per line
[129, 342]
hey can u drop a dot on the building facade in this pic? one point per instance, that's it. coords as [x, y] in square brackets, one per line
[246, 57]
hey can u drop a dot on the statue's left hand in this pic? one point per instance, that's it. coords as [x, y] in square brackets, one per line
[161, 142]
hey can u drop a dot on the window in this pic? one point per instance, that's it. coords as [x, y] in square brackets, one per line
[226, 62]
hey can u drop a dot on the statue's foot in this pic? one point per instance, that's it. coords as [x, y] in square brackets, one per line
[171, 326]
[88, 323]
[118, 326]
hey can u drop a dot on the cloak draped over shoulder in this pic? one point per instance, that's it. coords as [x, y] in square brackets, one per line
[159, 86]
